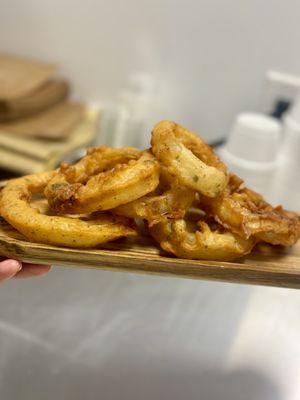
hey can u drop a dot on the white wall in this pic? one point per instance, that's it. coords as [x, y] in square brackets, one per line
[210, 55]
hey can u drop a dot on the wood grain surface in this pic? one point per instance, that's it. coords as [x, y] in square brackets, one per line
[267, 265]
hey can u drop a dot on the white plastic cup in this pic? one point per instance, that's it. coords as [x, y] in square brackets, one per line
[255, 138]
[252, 151]
[290, 149]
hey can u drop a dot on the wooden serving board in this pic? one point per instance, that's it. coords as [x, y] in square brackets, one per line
[267, 265]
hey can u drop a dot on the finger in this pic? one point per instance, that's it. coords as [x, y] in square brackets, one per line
[9, 268]
[30, 270]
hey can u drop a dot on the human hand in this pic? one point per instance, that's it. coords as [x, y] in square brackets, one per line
[16, 269]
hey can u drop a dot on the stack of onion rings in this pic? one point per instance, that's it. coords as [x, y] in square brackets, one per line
[159, 186]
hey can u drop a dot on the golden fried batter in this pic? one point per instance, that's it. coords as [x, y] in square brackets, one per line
[202, 243]
[104, 179]
[160, 188]
[246, 213]
[188, 158]
[172, 203]
[57, 230]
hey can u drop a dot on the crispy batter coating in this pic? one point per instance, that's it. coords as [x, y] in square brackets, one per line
[201, 243]
[246, 213]
[172, 203]
[161, 187]
[169, 200]
[188, 158]
[57, 230]
[104, 179]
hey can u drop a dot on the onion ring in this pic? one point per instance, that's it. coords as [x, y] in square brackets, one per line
[188, 158]
[56, 230]
[246, 213]
[174, 236]
[104, 179]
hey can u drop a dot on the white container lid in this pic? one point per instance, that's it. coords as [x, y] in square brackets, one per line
[254, 138]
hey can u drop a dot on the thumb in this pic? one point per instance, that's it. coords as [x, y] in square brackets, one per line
[9, 268]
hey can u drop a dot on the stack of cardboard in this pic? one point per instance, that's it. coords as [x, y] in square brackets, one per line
[39, 125]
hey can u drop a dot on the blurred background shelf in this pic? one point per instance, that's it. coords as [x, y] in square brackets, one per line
[40, 124]
[24, 155]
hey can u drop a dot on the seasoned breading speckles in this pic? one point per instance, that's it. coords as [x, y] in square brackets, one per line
[104, 179]
[187, 157]
[57, 230]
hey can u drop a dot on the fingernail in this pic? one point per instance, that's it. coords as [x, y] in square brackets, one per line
[17, 265]
[9, 268]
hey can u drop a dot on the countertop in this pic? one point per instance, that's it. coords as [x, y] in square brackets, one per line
[84, 334]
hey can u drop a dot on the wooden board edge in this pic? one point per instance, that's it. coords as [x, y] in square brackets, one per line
[110, 261]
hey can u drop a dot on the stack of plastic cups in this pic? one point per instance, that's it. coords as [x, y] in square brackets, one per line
[287, 184]
[252, 151]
